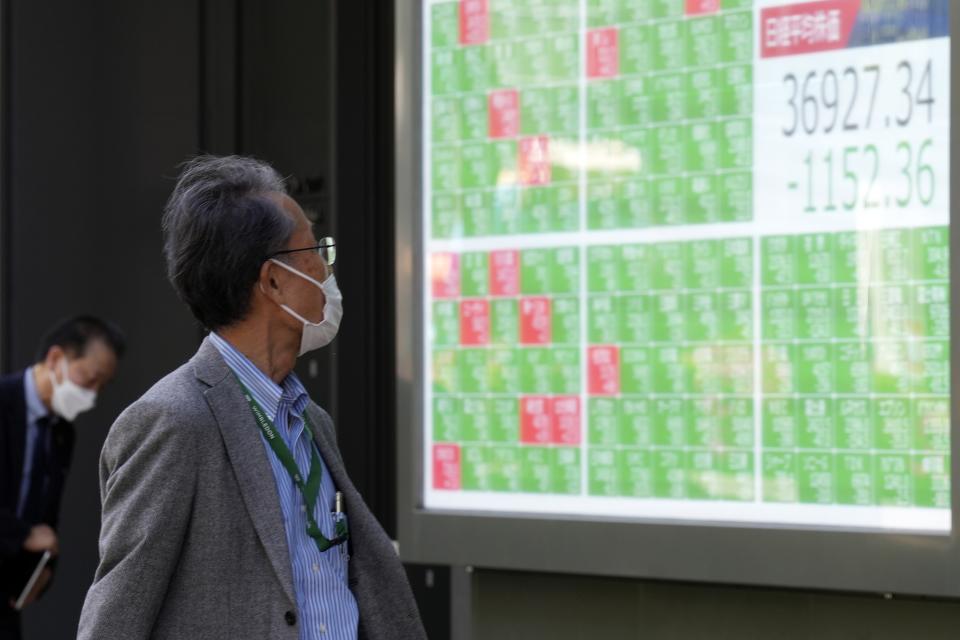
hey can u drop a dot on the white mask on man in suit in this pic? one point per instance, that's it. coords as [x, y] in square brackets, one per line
[70, 399]
[318, 334]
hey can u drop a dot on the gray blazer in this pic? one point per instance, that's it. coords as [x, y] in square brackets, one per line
[192, 543]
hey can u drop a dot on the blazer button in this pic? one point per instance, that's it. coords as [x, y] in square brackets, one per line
[290, 617]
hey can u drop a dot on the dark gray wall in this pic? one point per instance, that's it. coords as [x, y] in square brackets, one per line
[102, 105]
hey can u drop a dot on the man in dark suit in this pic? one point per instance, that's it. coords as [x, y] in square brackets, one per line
[37, 408]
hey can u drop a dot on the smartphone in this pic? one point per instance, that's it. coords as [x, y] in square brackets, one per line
[44, 559]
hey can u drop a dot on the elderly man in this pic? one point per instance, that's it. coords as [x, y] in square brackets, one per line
[227, 512]
[76, 359]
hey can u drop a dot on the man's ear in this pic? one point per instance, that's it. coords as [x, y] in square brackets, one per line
[268, 282]
[54, 355]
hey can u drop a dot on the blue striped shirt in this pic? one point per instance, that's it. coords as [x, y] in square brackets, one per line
[327, 606]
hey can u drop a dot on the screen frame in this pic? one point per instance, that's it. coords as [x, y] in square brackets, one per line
[759, 555]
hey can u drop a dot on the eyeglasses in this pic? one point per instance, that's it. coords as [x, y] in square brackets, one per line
[327, 250]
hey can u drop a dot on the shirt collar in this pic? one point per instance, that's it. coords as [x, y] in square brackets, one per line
[35, 407]
[268, 394]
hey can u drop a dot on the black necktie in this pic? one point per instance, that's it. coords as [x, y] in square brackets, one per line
[36, 500]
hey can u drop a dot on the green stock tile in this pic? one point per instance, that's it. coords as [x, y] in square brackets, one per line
[474, 117]
[477, 72]
[932, 417]
[665, 8]
[855, 479]
[816, 425]
[603, 324]
[736, 262]
[704, 91]
[634, 267]
[703, 41]
[932, 481]
[854, 367]
[505, 468]
[504, 370]
[475, 468]
[705, 369]
[477, 168]
[703, 316]
[636, 473]
[669, 202]
[847, 247]
[668, 97]
[636, 370]
[736, 315]
[603, 421]
[636, 320]
[703, 475]
[603, 266]
[779, 369]
[536, 210]
[703, 264]
[536, 470]
[669, 474]
[854, 423]
[446, 323]
[670, 321]
[852, 318]
[893, 424]
[536, 110]
[535, 273]
[445, 114]
[565, 270]
[506, 64]
[815, 368]
[892, 368]
[779, 310]
[566, 210]
[446, 372]
[475, 420]
[668, 262]
[474, 274]
[736, 422]
[931, 366]
[931, 253]
[738, 368]
[636, 210]
[705, 423]
[931, 307]
[780, 477]
[445, 171]
[668, 150]
[736, 37]
[603, 205]
[566, 111]
[476, 209]
[815, 258]
[563, 57]
[602, 13]
[504, 419]
[668, 45]
[736, 144]
[635, 49]
[815, 313]
[780, 423]
[893, 255]
[894, 480]
[603, 104]
[504, 321]
[446, 71]
[565, 377]
[632, 11]
[890, 311]
[604, 474]
[636, 422]
[536, 370]
[702, 202]
[736, 90]
[817, 478]
[565, 314]
[736, 196]
[446, 216]
[670, 422]
[474, 370]
[566, 470]
[444, 24]
[446, 419]
[736, 469]
[505, 218]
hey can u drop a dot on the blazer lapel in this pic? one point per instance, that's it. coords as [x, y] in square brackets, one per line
[248, 458]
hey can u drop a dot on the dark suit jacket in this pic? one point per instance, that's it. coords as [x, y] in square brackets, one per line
[13, 438]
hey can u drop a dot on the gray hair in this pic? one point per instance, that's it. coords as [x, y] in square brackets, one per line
[219, 226]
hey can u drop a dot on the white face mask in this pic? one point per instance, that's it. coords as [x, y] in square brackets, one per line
[318, 334]
[70, 399]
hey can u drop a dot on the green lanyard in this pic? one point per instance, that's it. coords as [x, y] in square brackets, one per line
[309, 490]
